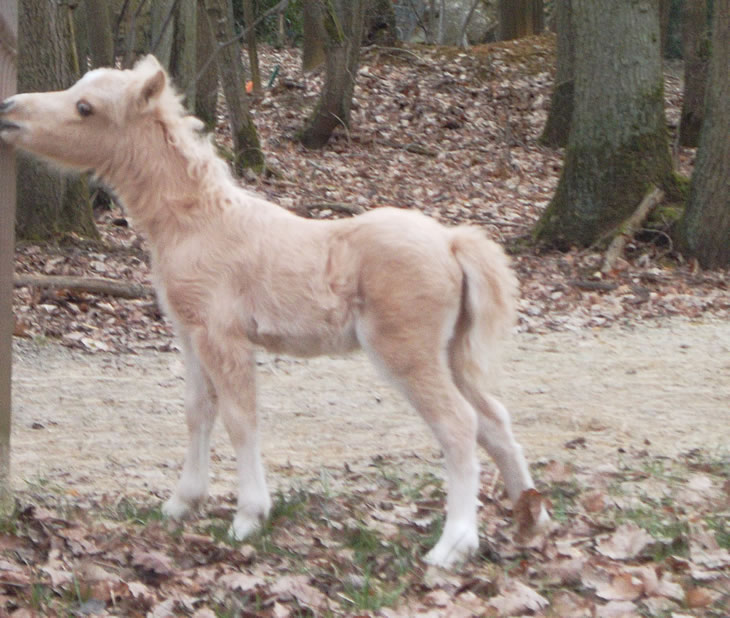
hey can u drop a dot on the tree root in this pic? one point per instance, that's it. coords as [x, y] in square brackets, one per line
[629, 227]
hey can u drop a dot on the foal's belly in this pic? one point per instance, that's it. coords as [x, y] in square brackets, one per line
[317, 343]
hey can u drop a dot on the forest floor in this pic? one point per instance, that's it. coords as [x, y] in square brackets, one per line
[619, 386]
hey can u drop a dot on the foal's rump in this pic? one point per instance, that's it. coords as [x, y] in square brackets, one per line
[425, 285]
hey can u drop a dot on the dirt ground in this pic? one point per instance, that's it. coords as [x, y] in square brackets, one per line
[98, 423]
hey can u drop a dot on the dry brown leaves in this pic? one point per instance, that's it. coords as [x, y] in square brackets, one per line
[659, 547]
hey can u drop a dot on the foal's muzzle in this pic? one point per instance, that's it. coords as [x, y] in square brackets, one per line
[5, 107]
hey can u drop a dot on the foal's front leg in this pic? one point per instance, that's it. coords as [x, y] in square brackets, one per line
[200, 412]
[230, 365]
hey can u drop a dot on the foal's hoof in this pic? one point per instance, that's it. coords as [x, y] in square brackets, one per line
[449, 553]
[244, 526]
[175, 508]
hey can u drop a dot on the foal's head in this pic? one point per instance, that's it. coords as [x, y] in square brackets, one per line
[86, 126]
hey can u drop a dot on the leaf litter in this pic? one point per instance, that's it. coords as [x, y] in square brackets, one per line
[622, 543]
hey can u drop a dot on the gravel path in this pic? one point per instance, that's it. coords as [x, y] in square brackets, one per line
[95, 423]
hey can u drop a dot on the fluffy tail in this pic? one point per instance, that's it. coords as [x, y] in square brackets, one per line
[489, 301]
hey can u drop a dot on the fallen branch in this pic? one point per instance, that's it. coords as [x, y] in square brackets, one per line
[412, 147]
[97, 285]
[629, 228]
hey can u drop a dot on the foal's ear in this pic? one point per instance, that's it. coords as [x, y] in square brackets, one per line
[152, 87]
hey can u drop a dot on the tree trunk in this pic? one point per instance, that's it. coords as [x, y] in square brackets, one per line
[8, 66]
[99, 34]
[343, 20]
[183, 65]
[379, 27]
[518, 18]
[557, 126]
[162, 33]
[50, 203]
[206, 95]
[313, 34]
[696, 52]
[247, 149]
[664, 10]
[253, 55]
[618, 144]
[704, 230]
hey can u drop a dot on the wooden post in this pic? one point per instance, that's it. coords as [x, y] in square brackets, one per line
[8, 63]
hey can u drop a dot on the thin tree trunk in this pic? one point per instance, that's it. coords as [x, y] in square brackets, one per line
[618, 144]
[314, 35]
[253, 55]
[704, 231]
[183, 64]
[50, 203]
[557, 126]
[344, 33]
[206, 95]
[247, 149]
[99, 34]
[696, 52]
[8, 66]
[519, 18]
[162, 34]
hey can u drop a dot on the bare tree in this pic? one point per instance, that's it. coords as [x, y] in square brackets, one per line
[618, 146]
[518, 18]
[247, 149]
[704, 231]
[206, 81]
[696, 52]
[98, 34]
[8, 59]
[51, 203]
[343, 21]
[253, 56]
[557, 126]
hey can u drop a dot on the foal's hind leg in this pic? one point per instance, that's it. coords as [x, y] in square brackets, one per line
[421, 371]
[496, 437]
[200, 412]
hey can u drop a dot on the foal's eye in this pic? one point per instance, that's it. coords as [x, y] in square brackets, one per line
[84, 108]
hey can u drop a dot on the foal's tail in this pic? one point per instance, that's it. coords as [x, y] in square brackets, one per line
[489, 300]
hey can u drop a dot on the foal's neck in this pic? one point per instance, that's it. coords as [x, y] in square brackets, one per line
[170, 196]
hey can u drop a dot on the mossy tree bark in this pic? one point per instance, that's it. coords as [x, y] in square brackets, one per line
[49, 203]
[696, 52]
[618, 146]
[247, 149]
[557, 126]
[343, 23]
[704, 230]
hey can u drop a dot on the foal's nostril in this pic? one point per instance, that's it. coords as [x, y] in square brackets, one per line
[6, 105]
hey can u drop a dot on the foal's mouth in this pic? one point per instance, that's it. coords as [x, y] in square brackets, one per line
[6, 125]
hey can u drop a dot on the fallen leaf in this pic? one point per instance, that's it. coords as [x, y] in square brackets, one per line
[242, 581]
[517, 598]
[625, 543]
[618, 609]
[153, 562]
[701, 597]
[299, 588]
[622, 587]
[527, 513]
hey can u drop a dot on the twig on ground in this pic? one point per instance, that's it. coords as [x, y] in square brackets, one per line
[94, 285]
